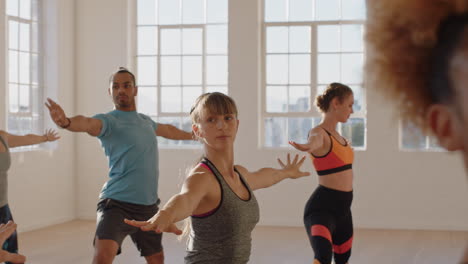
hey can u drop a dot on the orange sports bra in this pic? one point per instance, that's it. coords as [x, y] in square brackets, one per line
[339, 158]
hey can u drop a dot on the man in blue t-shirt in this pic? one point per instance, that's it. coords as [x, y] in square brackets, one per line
[130, 144]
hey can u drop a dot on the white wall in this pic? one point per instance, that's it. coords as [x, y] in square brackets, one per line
[42, 183]
[393, 189]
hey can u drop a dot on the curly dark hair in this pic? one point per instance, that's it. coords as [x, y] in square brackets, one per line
[410, 45]
[333, 90]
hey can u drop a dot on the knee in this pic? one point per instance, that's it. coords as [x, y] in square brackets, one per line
[103, 257]
[157, 258]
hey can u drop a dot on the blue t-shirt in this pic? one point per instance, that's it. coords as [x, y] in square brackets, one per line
[130, 144]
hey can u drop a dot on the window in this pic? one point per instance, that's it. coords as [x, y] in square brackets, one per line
[413, 139]
[307, 45]
[181, 52]
[24, 96]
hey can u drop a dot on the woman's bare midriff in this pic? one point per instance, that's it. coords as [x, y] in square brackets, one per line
[341, 181]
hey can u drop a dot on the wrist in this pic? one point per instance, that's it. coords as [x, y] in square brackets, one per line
[67, 125]
[46, 138]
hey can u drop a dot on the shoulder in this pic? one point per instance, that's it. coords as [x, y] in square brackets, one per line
[201, 177]
[317, 132]
[110, 115]
[143, 116]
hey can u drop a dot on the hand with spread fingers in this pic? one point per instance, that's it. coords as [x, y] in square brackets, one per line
[51, 135]
[5, 232]
[57, 114]
[161, 222]
[293, 167]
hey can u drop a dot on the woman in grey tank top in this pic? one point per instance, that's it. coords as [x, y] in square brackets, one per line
[7, 141]
[217, 194]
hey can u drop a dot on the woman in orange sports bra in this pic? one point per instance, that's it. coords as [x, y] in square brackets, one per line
[327, 215]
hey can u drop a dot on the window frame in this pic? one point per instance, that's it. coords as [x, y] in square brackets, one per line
[180, 116]
[40, 85]
[313, 111]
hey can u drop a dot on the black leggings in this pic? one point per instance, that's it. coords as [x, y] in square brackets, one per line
[329, 224]
[11, 244]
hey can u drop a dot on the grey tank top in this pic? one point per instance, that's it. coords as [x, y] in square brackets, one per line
[5, 162]
[223, 236]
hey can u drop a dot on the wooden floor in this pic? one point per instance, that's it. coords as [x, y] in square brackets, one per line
[71, 243]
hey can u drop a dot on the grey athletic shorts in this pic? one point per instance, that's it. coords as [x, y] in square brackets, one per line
[111, 225]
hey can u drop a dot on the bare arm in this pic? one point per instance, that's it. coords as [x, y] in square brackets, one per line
[172, 132]
[78, 123]
[266, 177]
[29, 139]
[314, 141]
[179, 207]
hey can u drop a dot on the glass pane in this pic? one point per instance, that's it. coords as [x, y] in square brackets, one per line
[277, 39]
[221, 89]
[24, 105]
[300, 10]
[12, 7]
[147, 71]
[321, 89]
[353, 9]
[354, 131]
[170, 70]
[352, 37]
[13, 35]
[328, 68]
[24, 37]
[169, 12]
[351, 68]
[189, 96]
[25, 9]
[24, 67]
[147, 41]
[216, 11]
[299, 98]
[275, 132]
[277, 99]
[275, 10]
[328, 38]
[327, 9]
[13, 66]
[35, 37]
[299, 69]
[192, 41]
[412, 137]
[34, 69]
[147, 100]
[298, 129]
[36, 101]
[171, 99]
[170, 41]
[277, 69]
[216, 69]
[35, 9]
[434, 144]
[299, 39]
[147, 12]
[175, 121]
[192, 70]
[358, 97]
[216, 39]
[13, 98]
[193, 12]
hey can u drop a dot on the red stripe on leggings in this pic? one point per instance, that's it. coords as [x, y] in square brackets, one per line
[343, 248]
[321, 230]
